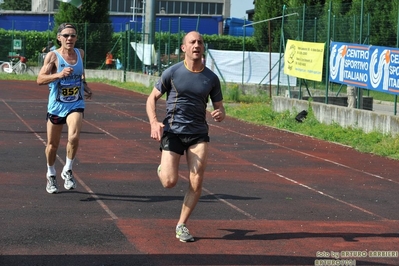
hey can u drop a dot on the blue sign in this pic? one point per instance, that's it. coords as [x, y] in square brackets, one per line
[365, 66]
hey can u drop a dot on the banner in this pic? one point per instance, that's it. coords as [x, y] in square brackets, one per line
[365, 66]
[248, 67]
[145, 52]
[304, 60]
[77, 3]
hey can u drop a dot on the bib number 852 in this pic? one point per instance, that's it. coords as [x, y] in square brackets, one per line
[70, 91]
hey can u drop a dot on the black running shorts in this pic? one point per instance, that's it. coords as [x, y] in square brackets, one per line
[60, 120]
[179, 143]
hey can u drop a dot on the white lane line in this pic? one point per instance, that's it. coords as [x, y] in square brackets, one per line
[83, 184]
[279, 175]
[124, 113]
[321, 193]
[102, 130]
[87, 188]
[310, 155]
[234, 207]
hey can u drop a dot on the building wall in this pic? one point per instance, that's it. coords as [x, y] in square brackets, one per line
[32, 21]
[206, 16]
[171, 7]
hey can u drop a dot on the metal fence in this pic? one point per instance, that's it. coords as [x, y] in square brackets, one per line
[343, 22]
[307, 23]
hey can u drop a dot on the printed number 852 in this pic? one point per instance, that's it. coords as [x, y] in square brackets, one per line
[70, 91]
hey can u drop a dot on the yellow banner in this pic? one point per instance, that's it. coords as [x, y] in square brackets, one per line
[304, 60]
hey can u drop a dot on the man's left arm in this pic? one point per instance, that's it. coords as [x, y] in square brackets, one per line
[86, 88]
[218, 114]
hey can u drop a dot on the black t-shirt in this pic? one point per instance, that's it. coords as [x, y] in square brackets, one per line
[187, 96]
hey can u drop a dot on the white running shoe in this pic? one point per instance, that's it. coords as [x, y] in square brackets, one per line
[70, 182]
[183, 234]
[51, 186]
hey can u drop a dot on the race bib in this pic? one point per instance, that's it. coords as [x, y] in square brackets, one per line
[69, 89]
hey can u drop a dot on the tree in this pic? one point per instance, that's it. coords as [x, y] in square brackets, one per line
[94, 28]
[383, 17]
[265, 9]
[24, 5]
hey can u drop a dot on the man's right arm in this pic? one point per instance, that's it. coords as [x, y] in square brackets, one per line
[156, 126]
[48, 73]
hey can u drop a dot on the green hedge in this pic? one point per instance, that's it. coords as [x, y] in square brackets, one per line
[34, 41]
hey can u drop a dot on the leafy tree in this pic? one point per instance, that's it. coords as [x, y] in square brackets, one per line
[94, 28]
[383, 17]
[24, 5]
[265, 9]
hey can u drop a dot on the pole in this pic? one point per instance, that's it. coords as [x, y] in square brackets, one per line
[327, 51]
[243, 55]
[270, 59]
[282, 42]
[397, 45]
[360, 90]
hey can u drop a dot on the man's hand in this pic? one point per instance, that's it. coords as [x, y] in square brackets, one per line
[88, 92]
[156, 130]
[66, 72]
[218, 115]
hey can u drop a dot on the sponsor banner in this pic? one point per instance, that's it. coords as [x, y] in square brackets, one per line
[304, 60]
[365, 66]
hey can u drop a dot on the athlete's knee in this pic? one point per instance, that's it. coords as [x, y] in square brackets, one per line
[167, 181]
[73, 139]
[196, 181]
[51, 147]
[168, 184]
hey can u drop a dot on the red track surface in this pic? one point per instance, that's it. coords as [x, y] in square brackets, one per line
[270, 197]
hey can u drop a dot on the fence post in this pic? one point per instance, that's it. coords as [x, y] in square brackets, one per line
[328, 52]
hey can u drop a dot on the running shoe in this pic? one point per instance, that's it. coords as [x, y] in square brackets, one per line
[183, 234]
[69, 180]
[51, 186]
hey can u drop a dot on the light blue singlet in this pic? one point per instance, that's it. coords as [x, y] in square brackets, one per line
[66, 94]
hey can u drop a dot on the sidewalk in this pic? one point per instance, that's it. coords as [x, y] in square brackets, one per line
[384, 107]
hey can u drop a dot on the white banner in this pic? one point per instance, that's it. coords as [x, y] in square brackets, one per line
[250, 67]
[145, 52]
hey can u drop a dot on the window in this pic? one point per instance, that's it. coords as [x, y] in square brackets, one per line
[198, 8]
[219, 9]
[191, 6]
[212, 8]
[113, 5]
[184, 8]
[170, 8]
[205, 8]
[128, 5]
[138, 6]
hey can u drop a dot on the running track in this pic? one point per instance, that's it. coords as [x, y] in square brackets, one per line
[270, 197]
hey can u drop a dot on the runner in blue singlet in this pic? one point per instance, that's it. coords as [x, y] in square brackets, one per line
[188, 86]
[63, 71]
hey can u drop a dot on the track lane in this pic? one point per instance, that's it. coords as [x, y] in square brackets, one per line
[126, 183]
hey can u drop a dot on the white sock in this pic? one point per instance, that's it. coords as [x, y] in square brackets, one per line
[51, 170]
[68, 164]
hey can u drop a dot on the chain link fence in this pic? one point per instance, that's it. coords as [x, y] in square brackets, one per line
[131, 43]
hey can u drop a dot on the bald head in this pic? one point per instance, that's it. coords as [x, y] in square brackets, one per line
[191, 35]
